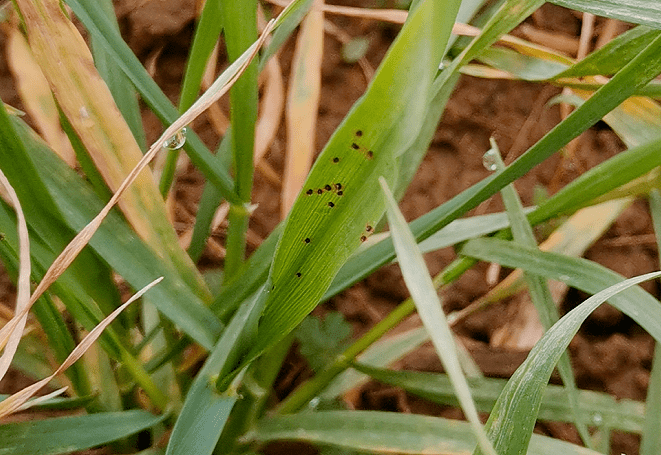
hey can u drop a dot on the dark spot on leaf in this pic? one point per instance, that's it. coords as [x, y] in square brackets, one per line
[368, 228]
[363, 238]
[298, 274]
[309, 192]
[320, 191]
[338, 186]
[330, 204]
[370, 154]
[336, 160]
[307, 240]
[340, 193]
[328, 188]
[355, 146]
[359, 133]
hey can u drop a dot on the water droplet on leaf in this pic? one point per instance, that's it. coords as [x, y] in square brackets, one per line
[177, 141]
[490, 160]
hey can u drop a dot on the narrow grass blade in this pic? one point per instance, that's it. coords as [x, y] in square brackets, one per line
[417, 279]
[538, 288]
[651, 438]
[626, 415]
[389, 432]
[646, 12]
[67, 434]
[119, 84]
[515, 413]
[240, 32]
[11, 333]
[336, 210]
[207, 32]
[579, 273]
[205, 411]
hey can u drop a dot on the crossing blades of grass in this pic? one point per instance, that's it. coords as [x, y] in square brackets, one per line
[579, 273]
[423, 293]
[511, 422]
[538, 288]
[626, 415]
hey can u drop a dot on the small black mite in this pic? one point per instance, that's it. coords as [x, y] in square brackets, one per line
[338, 186]
[309, 192]
[340, 193]
[298, 274]
[320, 191]
[370, 154]
[368, 228]
[359, 133]
[307, 240]
[328, 188]
[336, 160]
[355, 146]
[330, 204]
[363, 238]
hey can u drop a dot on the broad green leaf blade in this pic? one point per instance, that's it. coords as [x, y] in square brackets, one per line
[120, 86]
[419, 283]
[205, 411]
[69, 434]
[625, 415]
[337, 209]
[389, 432]
[647, 12]
[579, 273]
[515, 413]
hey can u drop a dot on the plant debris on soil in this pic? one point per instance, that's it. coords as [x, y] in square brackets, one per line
[611, 353]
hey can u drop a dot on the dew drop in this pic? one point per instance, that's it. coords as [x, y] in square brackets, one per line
[314, 403]
[490, 160]
[177, 141]
[597, 418]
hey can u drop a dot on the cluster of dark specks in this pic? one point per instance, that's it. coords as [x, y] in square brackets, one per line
[368, 153]
[335, 188]
[369, 230]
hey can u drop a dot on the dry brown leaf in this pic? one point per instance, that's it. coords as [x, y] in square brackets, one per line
[36, 95]
[303, 105]
[17, 400]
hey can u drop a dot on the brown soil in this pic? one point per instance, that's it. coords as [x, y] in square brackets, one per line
[611, 353]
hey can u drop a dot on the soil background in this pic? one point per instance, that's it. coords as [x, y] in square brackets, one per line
[611, 353]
